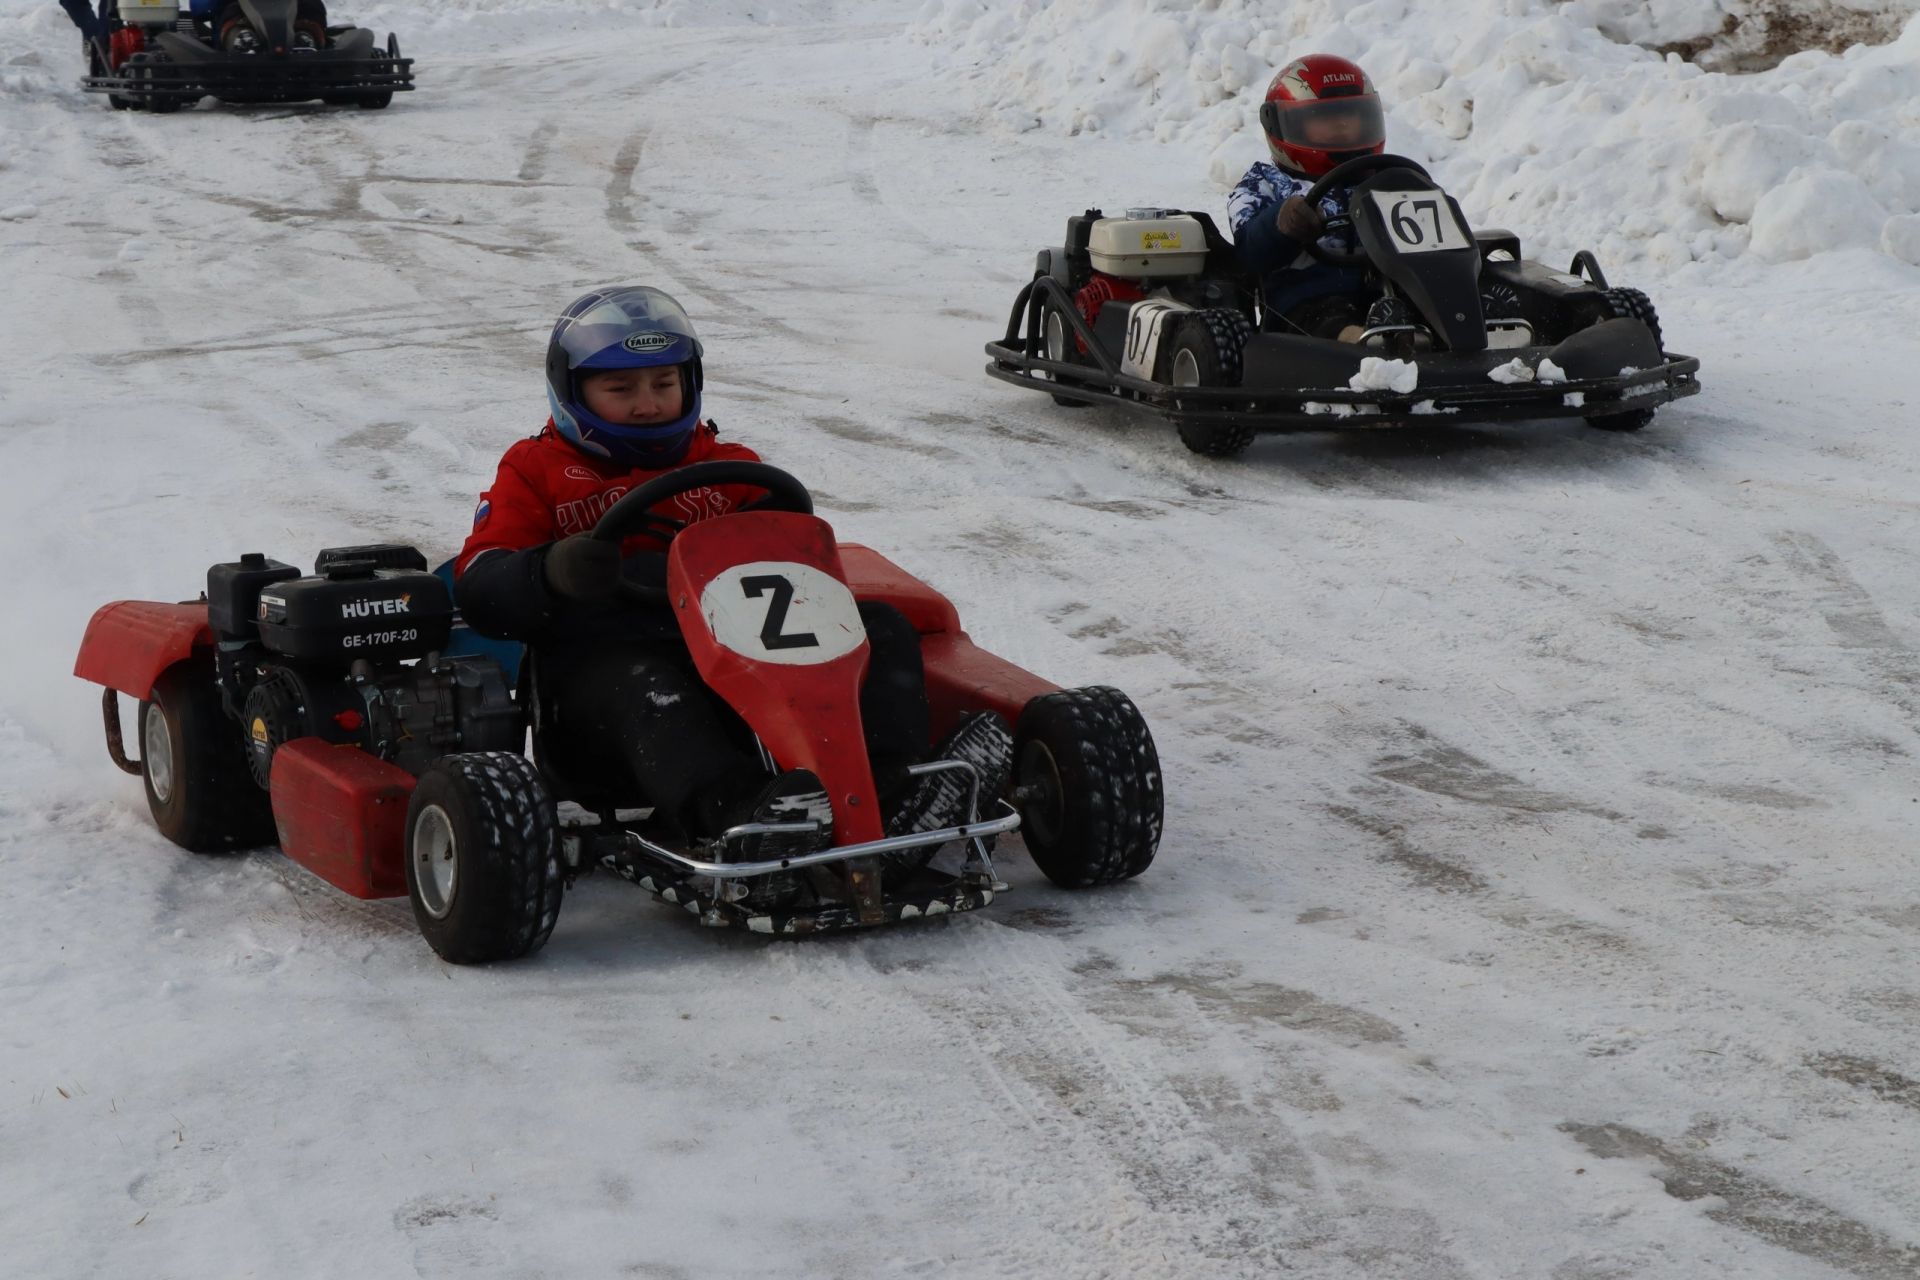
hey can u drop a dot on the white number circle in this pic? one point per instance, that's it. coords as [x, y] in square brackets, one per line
[790, 614]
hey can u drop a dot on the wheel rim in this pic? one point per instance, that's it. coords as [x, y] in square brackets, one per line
[1186, 370]
[436, 861]
[1056, 336]
[156, 748]
[1042, 794]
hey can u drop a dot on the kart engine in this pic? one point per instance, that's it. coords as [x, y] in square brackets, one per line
[350, 654]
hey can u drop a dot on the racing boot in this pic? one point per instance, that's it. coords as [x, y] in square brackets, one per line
[938, 800]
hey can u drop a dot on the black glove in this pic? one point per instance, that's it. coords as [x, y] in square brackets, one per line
[583, 567]
[1299, 221]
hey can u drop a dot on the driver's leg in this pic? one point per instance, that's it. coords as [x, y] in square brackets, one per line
[631, 716]
[893, 700]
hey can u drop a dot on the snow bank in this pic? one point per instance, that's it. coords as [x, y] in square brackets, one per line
[1553, 119]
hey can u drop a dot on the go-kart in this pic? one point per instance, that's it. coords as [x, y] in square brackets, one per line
[1151, 312]
[348, 713]
[162, 55]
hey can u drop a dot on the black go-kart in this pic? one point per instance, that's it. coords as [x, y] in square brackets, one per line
[162, 55]
[1151, 312]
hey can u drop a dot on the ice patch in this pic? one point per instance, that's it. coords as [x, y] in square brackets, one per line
[1551, 372]
[1574, 399]
[1425, 407]
[19, 213]
[659, 699]
[1399, 376]
[1514, 370]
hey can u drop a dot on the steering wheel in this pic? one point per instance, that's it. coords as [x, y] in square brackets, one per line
[633, 515]
[1345, 174]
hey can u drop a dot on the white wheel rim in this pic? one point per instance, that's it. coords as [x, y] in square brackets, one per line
[436, 861]
[1186, 370]
[156, 749]
[1056, 336]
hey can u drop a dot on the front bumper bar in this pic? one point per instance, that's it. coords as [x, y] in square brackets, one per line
[1016, 359]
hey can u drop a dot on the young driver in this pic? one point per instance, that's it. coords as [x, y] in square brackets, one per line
[620, 702]
[1319, 111]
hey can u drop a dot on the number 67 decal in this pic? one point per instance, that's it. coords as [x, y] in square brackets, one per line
[1420, 221]
[784, 613]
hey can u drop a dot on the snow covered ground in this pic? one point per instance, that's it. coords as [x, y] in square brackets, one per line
[1538, 892]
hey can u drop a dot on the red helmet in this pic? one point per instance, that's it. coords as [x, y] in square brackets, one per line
[1321, 110]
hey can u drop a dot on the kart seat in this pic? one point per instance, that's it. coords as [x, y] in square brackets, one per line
[464, 641]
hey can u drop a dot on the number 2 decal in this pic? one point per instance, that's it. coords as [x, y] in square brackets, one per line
[773, 632]
[782, 612]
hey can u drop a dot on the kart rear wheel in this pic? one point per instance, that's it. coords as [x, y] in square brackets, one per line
[199, 789]
[1087, 783]
[1056, 343]
[1206, 353]
[483, 858]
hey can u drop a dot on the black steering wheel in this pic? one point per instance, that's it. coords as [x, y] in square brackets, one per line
[633, 515]
[1345, 174]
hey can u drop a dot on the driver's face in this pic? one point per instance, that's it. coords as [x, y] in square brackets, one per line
[636, 397]
[1337, 133]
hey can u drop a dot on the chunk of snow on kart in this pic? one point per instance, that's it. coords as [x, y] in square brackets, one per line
[1376, 374]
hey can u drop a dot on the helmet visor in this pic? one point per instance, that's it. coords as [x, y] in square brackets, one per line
[1329, 124]
[634, 328]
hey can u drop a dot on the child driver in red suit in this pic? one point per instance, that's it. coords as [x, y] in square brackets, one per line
[619, 700]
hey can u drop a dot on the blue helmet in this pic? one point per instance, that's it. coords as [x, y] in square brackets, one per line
[623, 327]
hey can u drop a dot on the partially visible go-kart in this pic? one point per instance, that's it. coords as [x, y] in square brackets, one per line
[348, 715]
[1151, 312]
[162, 55]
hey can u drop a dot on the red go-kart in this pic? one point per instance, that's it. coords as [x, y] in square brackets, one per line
[348, 714]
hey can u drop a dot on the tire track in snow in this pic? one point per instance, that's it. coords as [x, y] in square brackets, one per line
[1099, 1065]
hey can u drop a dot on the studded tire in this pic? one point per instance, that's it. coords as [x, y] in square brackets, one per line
[1087, 782]
[1205, 352]
[483, 857]
[1630, 304]
[192, 761]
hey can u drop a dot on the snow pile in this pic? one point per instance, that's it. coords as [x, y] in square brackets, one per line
[1534, 114]
[1376, 374]
[1749, 35]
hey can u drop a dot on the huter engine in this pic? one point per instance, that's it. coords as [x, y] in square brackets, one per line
[351, 654]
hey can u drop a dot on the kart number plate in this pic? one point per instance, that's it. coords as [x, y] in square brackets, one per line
[1145, 323]
[793, 615]
[1420, 221]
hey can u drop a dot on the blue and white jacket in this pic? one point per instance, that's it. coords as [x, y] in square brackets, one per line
[1257, 243]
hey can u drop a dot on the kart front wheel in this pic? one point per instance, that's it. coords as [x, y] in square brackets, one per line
[483, 857]
[199, 789]
[1087, 783]
[1206, 353]
[1630, 304]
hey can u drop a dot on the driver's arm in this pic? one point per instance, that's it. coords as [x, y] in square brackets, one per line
[1259, 246]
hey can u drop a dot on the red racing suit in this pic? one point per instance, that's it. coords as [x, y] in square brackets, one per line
[546, 490]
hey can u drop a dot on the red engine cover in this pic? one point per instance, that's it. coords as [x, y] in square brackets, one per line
[342, 814]
[126, 42]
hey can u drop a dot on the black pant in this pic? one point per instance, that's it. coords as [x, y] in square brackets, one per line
[628, 719]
